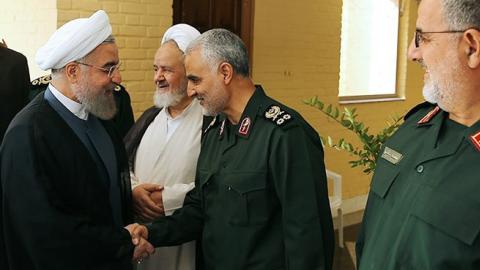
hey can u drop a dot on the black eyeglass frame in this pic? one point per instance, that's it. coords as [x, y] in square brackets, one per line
[419, 34]
[108, 71]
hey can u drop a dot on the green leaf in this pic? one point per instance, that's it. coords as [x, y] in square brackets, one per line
[329, 109]
[330, 141]
[336, 113]
[319, 105]
[366, 155]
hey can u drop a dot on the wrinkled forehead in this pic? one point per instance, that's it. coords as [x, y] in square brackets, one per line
[169, 54]
[105, 53]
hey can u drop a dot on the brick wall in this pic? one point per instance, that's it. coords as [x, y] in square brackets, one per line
[138, 26]
[297, 55]
[26, 25]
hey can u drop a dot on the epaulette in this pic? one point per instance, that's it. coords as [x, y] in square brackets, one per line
[38, 85]
[277, 115]
[42, 81]
[417, 108]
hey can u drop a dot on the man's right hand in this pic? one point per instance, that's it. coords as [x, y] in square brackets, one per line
[143, 205]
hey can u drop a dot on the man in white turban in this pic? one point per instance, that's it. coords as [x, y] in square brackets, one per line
[163, 147]
[65, 191]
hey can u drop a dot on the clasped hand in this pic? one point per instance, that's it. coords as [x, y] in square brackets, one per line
[143, 249]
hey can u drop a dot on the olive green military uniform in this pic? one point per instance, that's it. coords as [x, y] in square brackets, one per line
[260, 201]
[423, 210]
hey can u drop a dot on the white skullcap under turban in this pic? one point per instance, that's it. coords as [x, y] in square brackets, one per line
[182, 34]
[74, 40]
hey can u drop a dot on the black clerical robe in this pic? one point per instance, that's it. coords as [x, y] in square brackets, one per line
[55, 211]
[14, 86]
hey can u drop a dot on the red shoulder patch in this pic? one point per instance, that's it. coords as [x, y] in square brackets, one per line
[476, 140]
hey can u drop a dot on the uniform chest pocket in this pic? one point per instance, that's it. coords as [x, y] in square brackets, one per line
[248, 199]
[457, 218]
[385, 175]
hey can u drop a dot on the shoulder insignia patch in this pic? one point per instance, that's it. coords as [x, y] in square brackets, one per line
[44, 80]
[429, 116]
[276, 115]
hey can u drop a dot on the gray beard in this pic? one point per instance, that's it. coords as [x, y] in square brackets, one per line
[430, 92]
[101, 105]
[166, 99]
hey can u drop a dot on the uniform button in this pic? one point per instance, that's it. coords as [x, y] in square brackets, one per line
[229, 188]
[420, 169]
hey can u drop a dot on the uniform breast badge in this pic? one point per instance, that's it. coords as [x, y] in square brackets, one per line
[391, 155]
[276, 115]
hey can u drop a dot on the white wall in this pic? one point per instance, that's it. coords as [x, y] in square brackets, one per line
[26, 25]
[368, 58]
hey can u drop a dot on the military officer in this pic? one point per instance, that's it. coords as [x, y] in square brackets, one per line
[261, 199]
[423, 210]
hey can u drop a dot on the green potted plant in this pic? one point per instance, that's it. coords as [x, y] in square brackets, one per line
[372, 143]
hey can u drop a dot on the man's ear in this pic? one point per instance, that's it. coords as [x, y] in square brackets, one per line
[472, 48]
[72, 70]
[226, 70]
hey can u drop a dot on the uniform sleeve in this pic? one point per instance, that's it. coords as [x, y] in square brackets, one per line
[185, 225]
[35, 219]
[298, 172]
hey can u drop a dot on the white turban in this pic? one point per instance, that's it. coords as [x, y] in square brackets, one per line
[74, 40]
[182, 34]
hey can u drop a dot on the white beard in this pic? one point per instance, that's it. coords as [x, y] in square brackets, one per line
[166, 99]
[430, 92]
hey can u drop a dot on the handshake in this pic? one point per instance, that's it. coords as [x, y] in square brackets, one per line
[143, 249]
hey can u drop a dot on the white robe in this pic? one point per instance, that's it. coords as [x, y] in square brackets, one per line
[167, 155]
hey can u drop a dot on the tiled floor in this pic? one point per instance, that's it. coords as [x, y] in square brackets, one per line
[345, 257]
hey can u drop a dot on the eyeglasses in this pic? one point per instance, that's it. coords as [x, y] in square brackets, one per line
[109, 71]
[419, 35]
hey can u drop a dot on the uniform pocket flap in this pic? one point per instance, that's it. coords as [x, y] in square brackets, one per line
[457, 218]
[383, 178]
[245, 182]
[203, 177]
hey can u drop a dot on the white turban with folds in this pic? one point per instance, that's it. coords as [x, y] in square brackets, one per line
[182, 34]
[74, 40]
